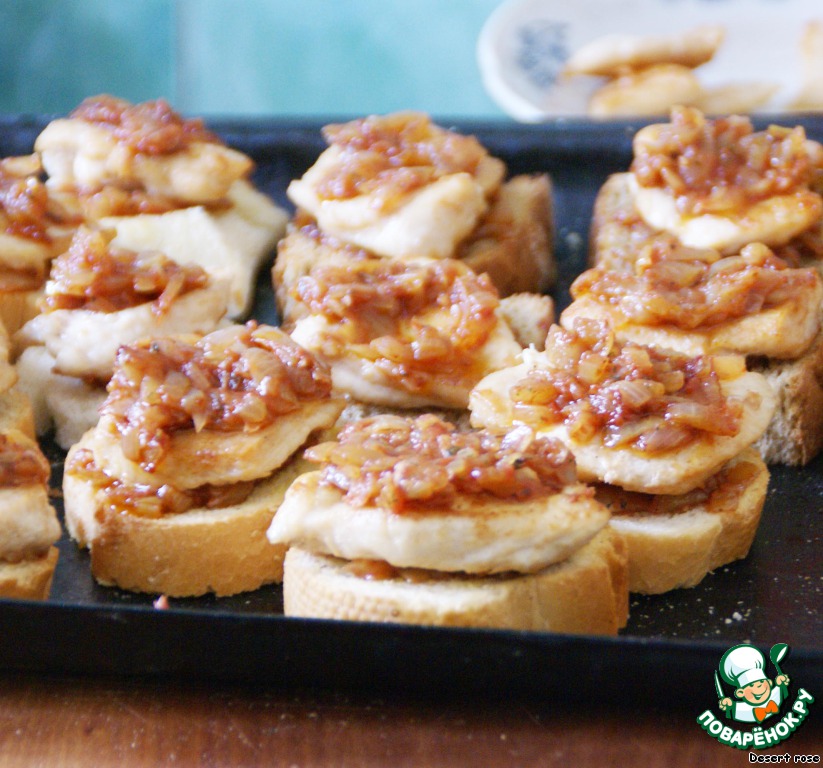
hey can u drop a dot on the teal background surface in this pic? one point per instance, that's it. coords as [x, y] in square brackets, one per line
[246, 57]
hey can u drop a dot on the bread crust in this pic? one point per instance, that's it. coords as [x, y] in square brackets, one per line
[670, 551]
[29, 579]
[585, 594]
[16, 412]
[221, 551]
[514, 242]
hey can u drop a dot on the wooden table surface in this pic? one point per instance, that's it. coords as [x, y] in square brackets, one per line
[99, 723]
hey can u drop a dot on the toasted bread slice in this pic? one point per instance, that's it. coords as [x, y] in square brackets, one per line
[17, 307]
[514, 241]
[612, 55]
[27, 520]
[222, 551]
[84, 343]
[674, 542]
[530, 316]
[16, 412]
[584, 594]
[29, 579]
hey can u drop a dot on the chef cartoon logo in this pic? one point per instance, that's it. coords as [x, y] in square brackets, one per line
[756, 697]
[747, 694]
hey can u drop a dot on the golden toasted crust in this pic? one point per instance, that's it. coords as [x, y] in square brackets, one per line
[530, 316]
[29, 579]
[672, 550]
[18, 307]
[514, 241]
[585, 594]
[224, 551]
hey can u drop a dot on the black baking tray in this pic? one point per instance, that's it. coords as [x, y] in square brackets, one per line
[665, 656]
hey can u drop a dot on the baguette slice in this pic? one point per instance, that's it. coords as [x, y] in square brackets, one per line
[586, 594]
[795, 433]
[29, 579]
[224, 551]
[678, 544]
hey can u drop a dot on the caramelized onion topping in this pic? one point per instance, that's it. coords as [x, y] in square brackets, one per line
[153, 501]
[21, 464]
[384, 310]
[24, 201]
[151, 128]
[714, 166]
[403, 464]
[687, 288]
[393, 155]
[239, 378]
[94, 276]
[627, 396]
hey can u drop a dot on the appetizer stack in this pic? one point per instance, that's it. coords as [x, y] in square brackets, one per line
[404, 236]
[165, 183]
[414, 520]
[97, 299]
[173, 490]
[400, 187]
[420, 441]
[711, 242]
[29, 528]
[662, 434]
[166, 237]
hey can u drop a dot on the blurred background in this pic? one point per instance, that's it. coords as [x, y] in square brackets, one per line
[246, 57]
